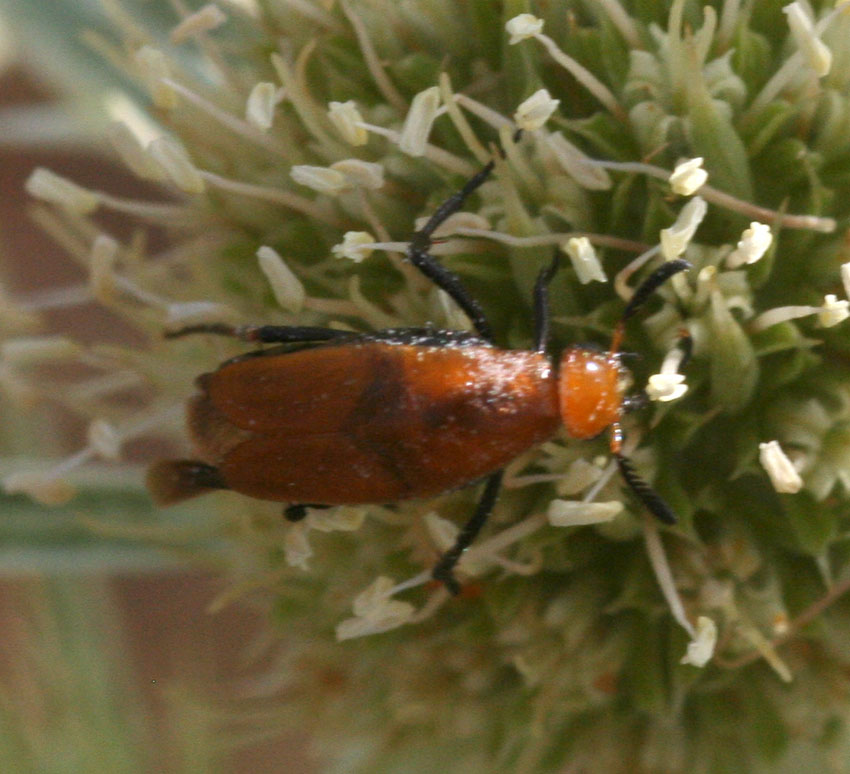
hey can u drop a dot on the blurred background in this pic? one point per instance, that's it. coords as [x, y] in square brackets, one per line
[109, 659]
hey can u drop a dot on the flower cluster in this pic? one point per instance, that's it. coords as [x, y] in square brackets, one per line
[293, 174]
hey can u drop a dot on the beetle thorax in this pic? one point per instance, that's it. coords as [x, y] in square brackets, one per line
[590, 391]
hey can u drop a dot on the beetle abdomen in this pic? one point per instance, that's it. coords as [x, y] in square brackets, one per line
[372, 421]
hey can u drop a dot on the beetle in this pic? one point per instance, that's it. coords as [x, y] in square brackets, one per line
[330, 417]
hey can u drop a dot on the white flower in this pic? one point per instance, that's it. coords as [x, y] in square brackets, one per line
[353, 246]
[50, 187]
[845, 269]
[375, 611]
[30, 350]
[133, 153]
[203, 20]
[701, 648]
[575, 513]
[833, 311]
[668, 384]
[42, 488]
[688, 177]
[104, 439]
[584, 260]
[666, 387]
[579, 476]
[261, 104]
[345, 518]
[783, 474]
[675, 239]
[177, 165]
[345, 116]
[183, 313]
[536, 110]
[419, 120]
[455, 222]
[752, 246]
[296, 547]
[102, 258]
[155, 69]
[364, 174]
[524, 26]
[321, 179]
[287, 288]
[814, 50]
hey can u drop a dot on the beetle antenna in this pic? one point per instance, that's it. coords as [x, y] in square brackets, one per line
[644, 492]
[653, 501]
[643, 292]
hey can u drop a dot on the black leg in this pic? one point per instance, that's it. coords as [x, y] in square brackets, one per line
[443, 571]
[686, 344]
[298, 512]
[541, 302]
[635, 402]
[443, 278]
[652, 283]
[278, 334]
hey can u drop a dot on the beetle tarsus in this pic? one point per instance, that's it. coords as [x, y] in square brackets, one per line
[445, 576]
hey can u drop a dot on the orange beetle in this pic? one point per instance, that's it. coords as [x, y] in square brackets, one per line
[330, 417]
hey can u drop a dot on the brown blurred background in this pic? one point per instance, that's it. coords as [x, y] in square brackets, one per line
[169, 642]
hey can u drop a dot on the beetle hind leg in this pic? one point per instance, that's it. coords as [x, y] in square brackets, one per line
[266, 334]
[172, 481]
[444, 569]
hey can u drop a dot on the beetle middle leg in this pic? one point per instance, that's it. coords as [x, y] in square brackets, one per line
[443, 278]
[444, 569]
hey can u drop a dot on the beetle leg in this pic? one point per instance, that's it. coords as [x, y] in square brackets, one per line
[279, 334]
[443, 570]
[443, 278]
[298, 511]
[635, 402]
[541, 302]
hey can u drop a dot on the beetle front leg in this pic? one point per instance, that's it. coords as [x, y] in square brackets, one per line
[444, 569]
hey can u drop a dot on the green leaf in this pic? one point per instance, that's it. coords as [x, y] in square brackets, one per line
[713, 137]
[734, 369]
